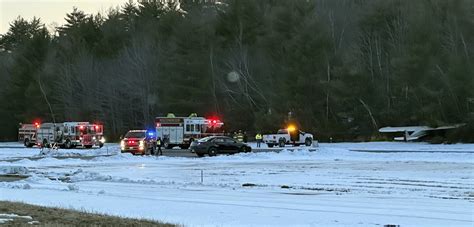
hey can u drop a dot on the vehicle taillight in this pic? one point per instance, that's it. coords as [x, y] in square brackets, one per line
[96, 127]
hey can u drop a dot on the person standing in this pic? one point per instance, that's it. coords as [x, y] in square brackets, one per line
[158, 145]
[258, 138]
[240, 136]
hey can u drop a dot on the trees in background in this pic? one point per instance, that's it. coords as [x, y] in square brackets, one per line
[343, 68]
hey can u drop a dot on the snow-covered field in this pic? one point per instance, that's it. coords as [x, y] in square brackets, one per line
[408, 184]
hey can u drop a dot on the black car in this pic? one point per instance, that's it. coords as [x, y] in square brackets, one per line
[214, 145]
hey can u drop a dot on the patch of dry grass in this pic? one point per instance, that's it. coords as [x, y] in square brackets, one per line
[62, 217]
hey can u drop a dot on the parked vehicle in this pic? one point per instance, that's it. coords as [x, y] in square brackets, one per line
[139, 142]
[181, 131]
[27, 134]
[70, 135]
[214, 145]
[290, 135]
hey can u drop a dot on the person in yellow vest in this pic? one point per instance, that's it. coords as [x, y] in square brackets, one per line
[258, 138]
[158, 145]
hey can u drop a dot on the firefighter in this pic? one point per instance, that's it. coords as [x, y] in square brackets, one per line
[240, 136]
[234, 135]
[59, 135]
[258, 138]
[158, 145]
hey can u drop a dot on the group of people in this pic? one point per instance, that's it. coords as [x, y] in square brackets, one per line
[242, 137]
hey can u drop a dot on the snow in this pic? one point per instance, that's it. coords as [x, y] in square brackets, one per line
[13, 170]
[14, 151]
[337, 184]
[4, 218]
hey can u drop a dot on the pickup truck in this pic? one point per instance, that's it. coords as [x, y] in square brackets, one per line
[283, 137]
[139, 142]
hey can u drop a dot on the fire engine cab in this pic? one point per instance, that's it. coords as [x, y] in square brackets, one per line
[27, 134]
[181, 131]
[70, 134]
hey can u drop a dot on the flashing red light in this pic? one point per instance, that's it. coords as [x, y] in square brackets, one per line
[214, 122]
[81, 127]
[96, 127]
[37, 125]
[158, 125]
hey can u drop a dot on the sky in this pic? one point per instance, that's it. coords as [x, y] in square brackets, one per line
[51, 12]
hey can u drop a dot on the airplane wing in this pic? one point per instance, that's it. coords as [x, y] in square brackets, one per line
[449, 127]
[404, 129]
[412, 133]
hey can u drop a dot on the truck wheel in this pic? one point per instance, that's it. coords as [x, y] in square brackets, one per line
[270, 145]
[281, 143]
[308, 142]
[27, 143]
[68, 144]
[101, 145]
[88, 146]
[45, 144]
[212, 152]
[166, 144]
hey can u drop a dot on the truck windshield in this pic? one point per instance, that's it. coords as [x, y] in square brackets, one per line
[135, 135]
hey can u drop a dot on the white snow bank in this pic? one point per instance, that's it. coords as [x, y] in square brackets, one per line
[14, 216]
[4, 218]
[10, 151]
[20, 170]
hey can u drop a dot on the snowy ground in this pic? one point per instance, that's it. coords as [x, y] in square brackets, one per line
[408, 184]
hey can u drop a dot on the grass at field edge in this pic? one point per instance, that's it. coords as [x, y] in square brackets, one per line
[48, 216]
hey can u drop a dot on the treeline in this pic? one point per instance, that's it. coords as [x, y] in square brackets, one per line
[342, 68]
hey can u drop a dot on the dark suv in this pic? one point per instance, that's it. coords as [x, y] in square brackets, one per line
[214, 145]
[139, 142]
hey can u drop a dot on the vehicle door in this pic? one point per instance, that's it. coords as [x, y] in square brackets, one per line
[302, 136]
[220, 144]
[232, 145]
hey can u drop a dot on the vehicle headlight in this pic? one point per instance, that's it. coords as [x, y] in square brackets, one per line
[94, 138]
[102, 140]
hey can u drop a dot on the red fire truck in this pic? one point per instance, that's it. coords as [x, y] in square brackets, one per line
[70, 134]
[27, 134]
[181, 131]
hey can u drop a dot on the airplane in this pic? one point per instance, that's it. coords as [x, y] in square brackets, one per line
[412, 133]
